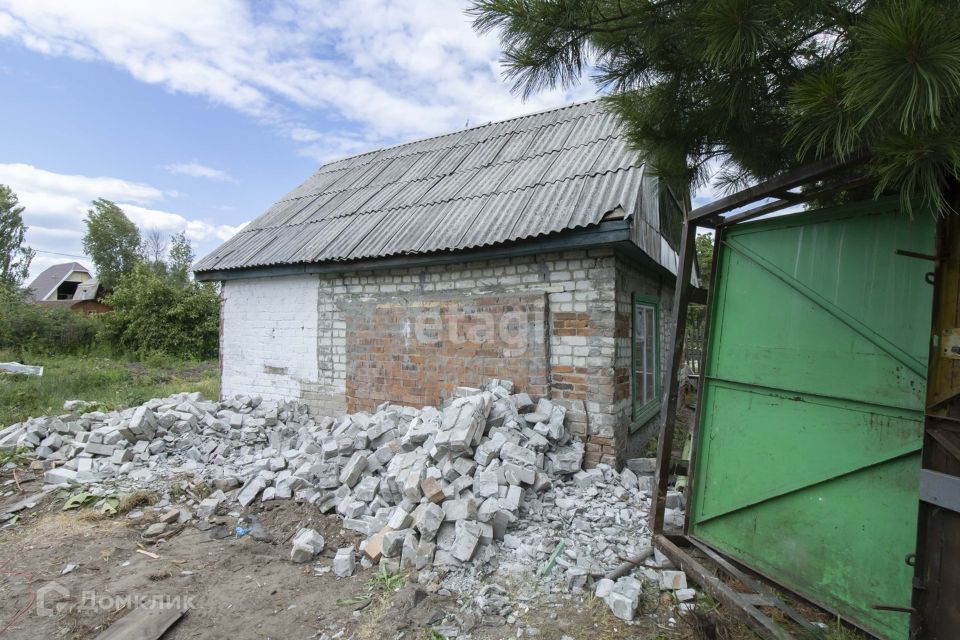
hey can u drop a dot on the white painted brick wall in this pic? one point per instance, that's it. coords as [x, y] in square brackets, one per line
[269, 344]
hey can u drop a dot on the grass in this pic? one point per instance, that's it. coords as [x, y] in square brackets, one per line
[386, 580]
[139, 498]
[838, 631]
[17, 457]
[109, 382]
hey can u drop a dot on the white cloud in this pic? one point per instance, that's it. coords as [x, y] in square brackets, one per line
[56, 204]
[196, 170]
[196, 230]
[84, 187]
[389, 69]
[327, 147]
[304, 134]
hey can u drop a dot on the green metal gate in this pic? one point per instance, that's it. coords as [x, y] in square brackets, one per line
[807, 455]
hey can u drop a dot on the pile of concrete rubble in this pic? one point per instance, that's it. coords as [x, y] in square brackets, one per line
[491, 478]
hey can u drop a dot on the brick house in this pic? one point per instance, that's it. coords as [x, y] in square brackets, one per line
[539, 249]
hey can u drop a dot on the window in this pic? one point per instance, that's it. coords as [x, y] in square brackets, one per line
[645, 381]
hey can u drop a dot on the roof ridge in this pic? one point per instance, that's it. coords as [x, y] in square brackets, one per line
[457, 171]
[248, 230]
[463, 130]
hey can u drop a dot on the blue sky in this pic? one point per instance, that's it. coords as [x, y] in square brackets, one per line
[197, 115]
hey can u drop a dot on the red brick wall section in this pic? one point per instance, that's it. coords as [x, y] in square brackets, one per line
[415, 352]
[568, 382]
[622, 373]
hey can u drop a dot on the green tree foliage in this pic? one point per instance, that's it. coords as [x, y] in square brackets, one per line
[26, 327]
[759, 86]
[15, 256]
[181, 257]
[112, 241]
[153, 313]
[697, 313]
[704, 246]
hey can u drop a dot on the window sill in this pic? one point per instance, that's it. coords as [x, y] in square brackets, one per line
[644, 414]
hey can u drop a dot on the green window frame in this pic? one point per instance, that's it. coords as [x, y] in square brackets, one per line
[644, 358]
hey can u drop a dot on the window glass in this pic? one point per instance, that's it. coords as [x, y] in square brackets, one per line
[644, 354]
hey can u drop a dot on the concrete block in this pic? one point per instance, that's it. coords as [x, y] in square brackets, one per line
[512, 501]
[674, 500]
[428, 519]
[373, 548]
[208, 507]
[673, 580]
[59, 475]
[408, 553]
[367, 489]
[487, 484]
[352, 470]
[432, 490]
[327, 475]
[603, 588]
[99, 449]
[462, 509]
[685, 595]
[307, 543]
[250, 490]
[517, 475]
[343, 563]
[393, 543]
[399, 519]
[425, 553]
[464, 466]
[622, 606]
[518, 455]
[642, 466]
[566, 460]
[501, 520]
[588, 478]
[466, 541]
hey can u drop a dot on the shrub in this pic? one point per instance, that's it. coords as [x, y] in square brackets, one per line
[153, 313]
[28, 327]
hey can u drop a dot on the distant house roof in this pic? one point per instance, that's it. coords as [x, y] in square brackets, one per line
[51, 278]
[520, 178]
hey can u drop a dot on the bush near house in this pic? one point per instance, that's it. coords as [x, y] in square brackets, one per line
[153, 314]
[156, 313]
[27, 327]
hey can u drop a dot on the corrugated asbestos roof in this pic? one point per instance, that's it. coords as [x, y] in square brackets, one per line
[505, 181]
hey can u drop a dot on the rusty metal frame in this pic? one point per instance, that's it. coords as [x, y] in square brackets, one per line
[746, 205]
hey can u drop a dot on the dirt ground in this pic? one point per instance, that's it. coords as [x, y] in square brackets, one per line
[244, 589]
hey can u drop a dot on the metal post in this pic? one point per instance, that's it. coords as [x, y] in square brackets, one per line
[668, 408]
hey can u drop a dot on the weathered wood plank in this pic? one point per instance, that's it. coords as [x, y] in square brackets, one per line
[142, 624]
[739, 604]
